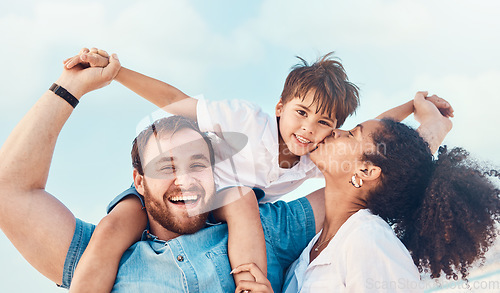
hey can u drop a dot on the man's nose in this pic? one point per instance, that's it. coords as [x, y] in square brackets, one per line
[184, 179]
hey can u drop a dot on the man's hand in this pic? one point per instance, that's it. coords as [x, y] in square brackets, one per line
[79, 79]
[88, 58]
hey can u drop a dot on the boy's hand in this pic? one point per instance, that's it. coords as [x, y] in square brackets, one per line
[88, 58]
[443, 106]
[426, 110]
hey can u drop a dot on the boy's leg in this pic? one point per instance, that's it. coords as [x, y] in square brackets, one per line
[123, 226]
[246, 243]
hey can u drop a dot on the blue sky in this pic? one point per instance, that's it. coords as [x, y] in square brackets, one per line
[236, 50]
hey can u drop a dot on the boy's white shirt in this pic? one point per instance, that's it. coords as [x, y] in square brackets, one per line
[257, 163]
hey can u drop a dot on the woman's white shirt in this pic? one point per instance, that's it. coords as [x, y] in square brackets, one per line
[364, 256]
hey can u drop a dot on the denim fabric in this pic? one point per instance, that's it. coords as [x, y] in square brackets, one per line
[199, 262]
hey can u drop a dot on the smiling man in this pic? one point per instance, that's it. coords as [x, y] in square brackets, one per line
[173, 170]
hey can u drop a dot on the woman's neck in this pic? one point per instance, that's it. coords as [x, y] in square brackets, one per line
[341, 202]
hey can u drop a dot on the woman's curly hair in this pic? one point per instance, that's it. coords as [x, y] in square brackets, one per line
[444, 211]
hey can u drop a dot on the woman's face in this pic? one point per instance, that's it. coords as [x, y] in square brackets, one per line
[342, 152]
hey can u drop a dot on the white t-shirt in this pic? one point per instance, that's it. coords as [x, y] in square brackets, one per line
[364, 256]
[247, 149]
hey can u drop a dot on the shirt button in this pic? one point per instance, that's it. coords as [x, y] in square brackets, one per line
[180, 258]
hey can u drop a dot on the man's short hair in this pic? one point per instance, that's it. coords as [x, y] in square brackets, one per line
[168, 125]
[333, 93]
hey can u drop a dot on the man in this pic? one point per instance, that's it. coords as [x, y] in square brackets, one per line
[47, 234]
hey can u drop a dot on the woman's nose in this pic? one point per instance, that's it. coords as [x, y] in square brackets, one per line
[336, 133]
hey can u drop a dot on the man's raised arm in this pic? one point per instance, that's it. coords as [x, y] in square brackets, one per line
[38, 225]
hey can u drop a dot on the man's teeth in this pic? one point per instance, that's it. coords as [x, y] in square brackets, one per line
[184, 198]
[301, 139]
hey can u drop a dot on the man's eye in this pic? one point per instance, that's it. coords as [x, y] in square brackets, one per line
[167, 169]
[301, 112]
[350, 133]
[198, 167]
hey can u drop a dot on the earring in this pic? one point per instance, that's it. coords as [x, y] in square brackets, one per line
[354, 183]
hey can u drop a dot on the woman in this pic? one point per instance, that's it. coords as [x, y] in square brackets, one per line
[381, 174]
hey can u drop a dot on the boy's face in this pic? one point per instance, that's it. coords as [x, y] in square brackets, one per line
[301, 128]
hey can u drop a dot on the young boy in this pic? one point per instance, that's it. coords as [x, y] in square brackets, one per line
[316, 99]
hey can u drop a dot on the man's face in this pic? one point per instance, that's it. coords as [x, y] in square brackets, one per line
[178, 181]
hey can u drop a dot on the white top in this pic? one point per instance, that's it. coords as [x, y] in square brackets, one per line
[364, 256]
[247, 148]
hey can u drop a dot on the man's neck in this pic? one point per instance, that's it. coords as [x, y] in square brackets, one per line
[160, 232]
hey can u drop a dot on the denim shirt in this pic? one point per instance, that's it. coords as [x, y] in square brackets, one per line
[198, 262]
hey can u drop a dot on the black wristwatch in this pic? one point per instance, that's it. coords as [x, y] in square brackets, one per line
[63, 93]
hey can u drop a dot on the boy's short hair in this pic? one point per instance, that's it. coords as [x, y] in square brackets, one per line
[333, 93]
[168, 125]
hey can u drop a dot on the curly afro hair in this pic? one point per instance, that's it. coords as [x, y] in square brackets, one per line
[444, 211]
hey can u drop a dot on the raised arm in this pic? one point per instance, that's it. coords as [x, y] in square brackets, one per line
[163, 95]
[400, 112]
[434, 126]
[38, 225]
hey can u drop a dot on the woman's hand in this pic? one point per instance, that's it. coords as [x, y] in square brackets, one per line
[261, 283]
[434, 125]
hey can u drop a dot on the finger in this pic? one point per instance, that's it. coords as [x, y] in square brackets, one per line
[95, 60]
[113, 67]
[252, 269]
[420, 96]
[73, 62]
[103, 53]
[93, 50]
[423, 93]
[253, 287]
[84, 51]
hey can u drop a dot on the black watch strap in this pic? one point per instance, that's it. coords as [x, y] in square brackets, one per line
[63, 93]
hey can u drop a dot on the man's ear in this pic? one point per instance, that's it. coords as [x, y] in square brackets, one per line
[369, 172]
[279, 108]
[138, 182]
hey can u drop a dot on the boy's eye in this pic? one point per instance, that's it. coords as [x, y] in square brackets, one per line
[301, 112]
[325, 123]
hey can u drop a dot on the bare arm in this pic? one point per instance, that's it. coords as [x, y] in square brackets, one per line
[38, 225]
[400, 112]
[317, 201]
[246, 243]
[433, 125]
[163, 95]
